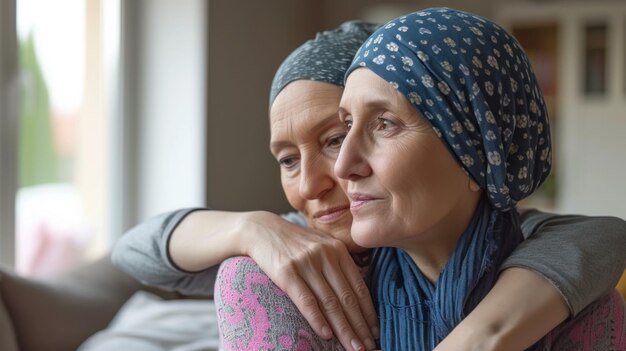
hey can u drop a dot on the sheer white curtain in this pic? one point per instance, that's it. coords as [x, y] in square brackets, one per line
[153, 63]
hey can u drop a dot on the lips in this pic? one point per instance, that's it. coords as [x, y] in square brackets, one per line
[332, 214]
[358, 200]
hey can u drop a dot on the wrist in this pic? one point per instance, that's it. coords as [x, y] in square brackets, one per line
[475, 337]
[206, 238]
[250, 229]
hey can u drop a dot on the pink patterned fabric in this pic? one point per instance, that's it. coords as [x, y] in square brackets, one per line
[254, 314]
[599, 327]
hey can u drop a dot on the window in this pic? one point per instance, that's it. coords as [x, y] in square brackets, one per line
[595, 59]
[98, 88]
[540, 41]
[61, 198]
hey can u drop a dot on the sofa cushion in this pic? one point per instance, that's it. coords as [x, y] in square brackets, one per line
[7, 332]
[59, 313]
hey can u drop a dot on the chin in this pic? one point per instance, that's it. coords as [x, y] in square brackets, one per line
[351, 245]
[344, 237]
[364, 236]
[365, 243]
[354, 248]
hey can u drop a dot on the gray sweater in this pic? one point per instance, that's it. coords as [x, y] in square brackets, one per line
[582, 256]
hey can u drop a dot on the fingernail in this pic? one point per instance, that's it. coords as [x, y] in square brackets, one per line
[370, 344]
[375, 332]
[326, 332]
[356, 345]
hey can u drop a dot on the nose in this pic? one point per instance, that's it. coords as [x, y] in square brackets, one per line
[316, 177]
[351, 163]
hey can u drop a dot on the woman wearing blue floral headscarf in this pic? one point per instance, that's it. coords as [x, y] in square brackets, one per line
[448, 131]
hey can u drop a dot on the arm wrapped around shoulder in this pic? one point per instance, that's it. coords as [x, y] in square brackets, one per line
[582, 256]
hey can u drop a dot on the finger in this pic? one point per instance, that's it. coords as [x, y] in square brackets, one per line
[363, 296]
[350, 305]
[306, 302]
[318, 305]
[332, 309]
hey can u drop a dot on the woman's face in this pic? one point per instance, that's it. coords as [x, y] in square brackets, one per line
[405, 187]
[306, 135]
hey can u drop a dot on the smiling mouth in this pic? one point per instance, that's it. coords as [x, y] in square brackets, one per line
[331, 215]
[355, 205]
[359, 200]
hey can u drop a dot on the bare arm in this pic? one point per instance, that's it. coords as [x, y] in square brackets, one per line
[315, 270]
[567, 263]
[520, 309]
[206, 238]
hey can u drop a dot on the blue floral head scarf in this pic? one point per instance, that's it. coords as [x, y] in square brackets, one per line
[325, 58]
[473, 82]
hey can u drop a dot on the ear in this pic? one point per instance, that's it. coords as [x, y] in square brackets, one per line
[472, 185]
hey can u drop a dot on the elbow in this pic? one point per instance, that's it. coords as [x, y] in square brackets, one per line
[118, 256]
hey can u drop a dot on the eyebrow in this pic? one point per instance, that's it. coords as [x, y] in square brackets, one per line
[369, 104]
[284, 143]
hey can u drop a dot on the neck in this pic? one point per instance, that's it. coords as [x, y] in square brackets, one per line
[432, 254]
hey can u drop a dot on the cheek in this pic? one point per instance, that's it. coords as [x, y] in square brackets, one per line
[292, 192]
[402, 166]
[343, 184]
[419, 174]
[444, 181]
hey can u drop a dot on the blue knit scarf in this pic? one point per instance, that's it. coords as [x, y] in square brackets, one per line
[417, 315]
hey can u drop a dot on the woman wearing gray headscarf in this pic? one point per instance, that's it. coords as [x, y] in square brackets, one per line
[314, 269]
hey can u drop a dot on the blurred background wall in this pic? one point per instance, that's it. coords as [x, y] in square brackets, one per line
[577, 49]
[247, 41]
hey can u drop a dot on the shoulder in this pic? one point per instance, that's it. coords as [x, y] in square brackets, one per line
[610, 228]
[241, 268]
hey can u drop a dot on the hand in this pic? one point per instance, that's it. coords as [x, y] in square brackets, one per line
[318, 274]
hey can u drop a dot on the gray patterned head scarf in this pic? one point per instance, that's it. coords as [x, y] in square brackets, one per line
[325, 58]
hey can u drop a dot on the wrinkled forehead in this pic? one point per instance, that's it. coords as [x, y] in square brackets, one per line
[364, 88]
[303, 107]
